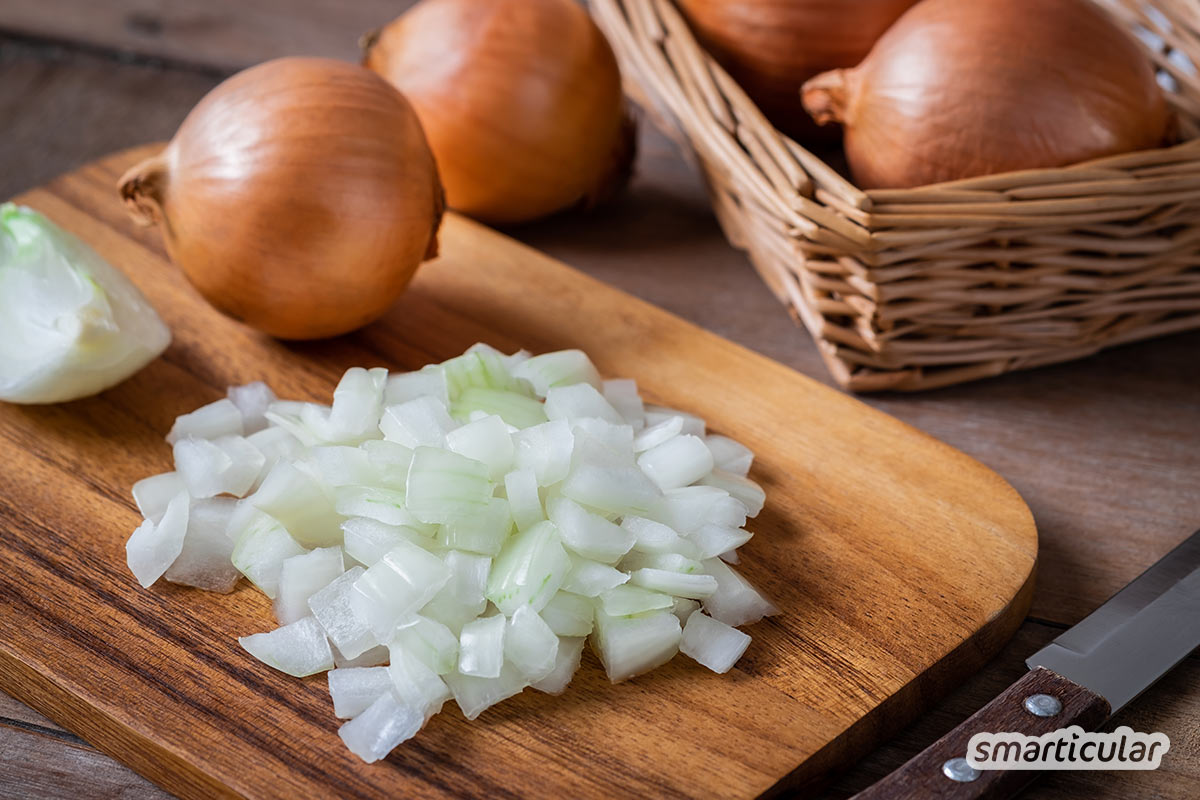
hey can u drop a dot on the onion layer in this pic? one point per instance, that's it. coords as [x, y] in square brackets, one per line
[956, 89]
[521, 100]
[299, 196]
[771, 47]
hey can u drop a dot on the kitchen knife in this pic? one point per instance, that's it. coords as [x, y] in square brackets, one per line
[1083, 678]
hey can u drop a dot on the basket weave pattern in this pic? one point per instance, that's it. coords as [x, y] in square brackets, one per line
[909, 289]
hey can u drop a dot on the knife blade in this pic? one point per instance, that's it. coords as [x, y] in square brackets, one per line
[1083, 677]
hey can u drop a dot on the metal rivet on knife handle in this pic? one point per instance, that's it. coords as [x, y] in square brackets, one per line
[1042, 705]
[957, 769]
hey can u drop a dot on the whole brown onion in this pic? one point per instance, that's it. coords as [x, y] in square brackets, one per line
[521, 101]
[298, 196]
[771, 47]
[957, 89]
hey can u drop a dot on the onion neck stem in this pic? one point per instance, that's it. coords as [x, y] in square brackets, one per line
[142, 189]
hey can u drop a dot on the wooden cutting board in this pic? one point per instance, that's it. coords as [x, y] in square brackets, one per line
[900, 564]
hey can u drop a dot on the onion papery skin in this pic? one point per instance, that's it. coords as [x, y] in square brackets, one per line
[771, 47]
[299, 196]
[960, 89]
[521, 101]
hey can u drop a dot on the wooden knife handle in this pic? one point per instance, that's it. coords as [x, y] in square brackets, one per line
[923, 776]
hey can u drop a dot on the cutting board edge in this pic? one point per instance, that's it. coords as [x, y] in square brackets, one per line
[889, 717]
[161, 766]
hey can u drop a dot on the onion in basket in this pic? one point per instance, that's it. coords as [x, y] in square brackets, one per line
[521, 100]
[771, 47]
[957, 89]
[298, 196]
[467, 525]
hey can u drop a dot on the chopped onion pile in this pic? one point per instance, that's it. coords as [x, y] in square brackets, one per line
[458, 532]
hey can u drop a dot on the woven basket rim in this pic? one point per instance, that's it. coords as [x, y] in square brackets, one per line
[927, 286]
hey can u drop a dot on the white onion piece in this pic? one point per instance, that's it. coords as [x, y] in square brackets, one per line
[675, 584]
[622, 394]
[590, 578]
[461, 599]
[713, 540]
[569, 614]
[588, 534]
[153, 547]
[293, 495]
[377, 656]
[346, 628]
[357, 406]
[204, 560]
[368, 540]
[620, 490]
[546, 449]
[561, 368]
[406, 578]
[428, 640]
[483, 533]
[659, 433]
[580, 400]
[626, 601]
[261, 550]
[420, 422]
[529, 570]
[673, 562]
[692, 425]
[382, 505]
[487, 441]
[524, 503]
[154, 493]
[415, 683]
[444, 487]
[654, 537]
[629, 646]
[481, 647]
[342, 465]
[405, 386]
[744, 490]
[729, 455]
[712, 643]
[354, 689]
[252, 400]
[735, 602]
[381, 728]
[299, 649]
[677, 462]
[475, 695]
[219, 418]
[689, 508]
[530, 645]
[684, 608]
[566, 663]
[226, 465]
[301, 577]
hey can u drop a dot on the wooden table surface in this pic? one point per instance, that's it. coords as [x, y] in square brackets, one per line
[1105, 450]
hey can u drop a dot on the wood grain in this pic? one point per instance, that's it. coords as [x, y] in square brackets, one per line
[901, 565]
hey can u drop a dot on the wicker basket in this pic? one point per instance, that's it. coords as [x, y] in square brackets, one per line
[918, 288]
